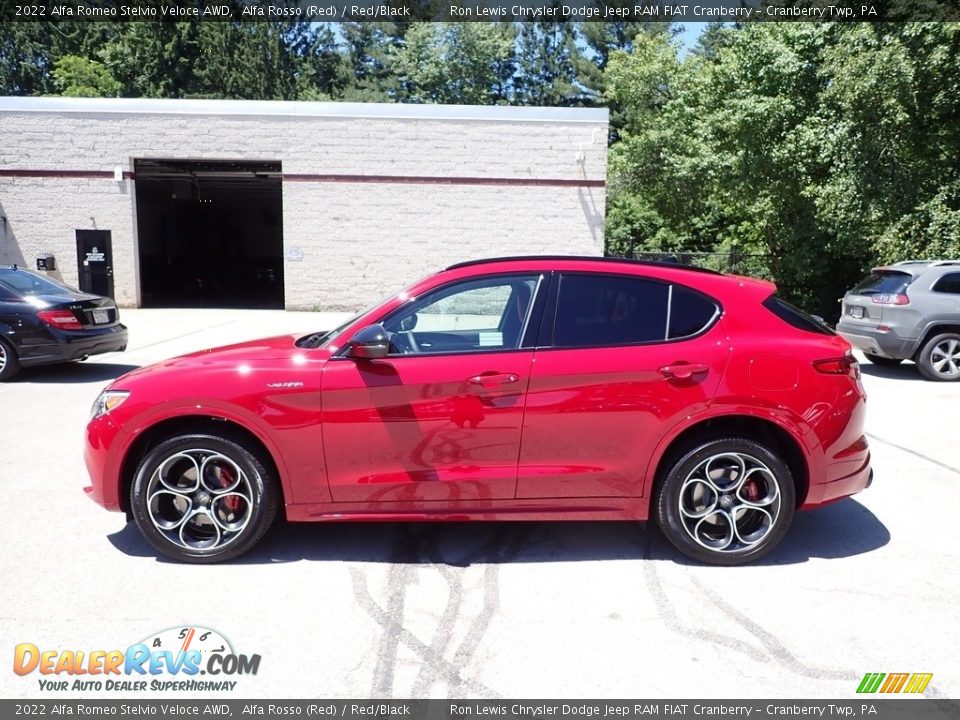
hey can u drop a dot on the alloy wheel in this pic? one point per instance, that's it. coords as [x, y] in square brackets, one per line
[730, 502]
[199, 499]
[945, 358]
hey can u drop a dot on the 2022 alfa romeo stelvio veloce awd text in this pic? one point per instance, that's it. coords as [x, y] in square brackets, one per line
[535, 388]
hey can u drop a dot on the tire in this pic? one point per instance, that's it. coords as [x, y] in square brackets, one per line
[735, 464]
[218, 519]
[940, 357]
[9, 362]
[880, 361]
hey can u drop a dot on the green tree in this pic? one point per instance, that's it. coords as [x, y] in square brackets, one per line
[76, 76]
[822, 147]
[465, 63]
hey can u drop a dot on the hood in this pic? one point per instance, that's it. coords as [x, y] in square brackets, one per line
[273, 353]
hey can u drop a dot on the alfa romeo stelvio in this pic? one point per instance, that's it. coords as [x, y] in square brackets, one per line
[529, 388]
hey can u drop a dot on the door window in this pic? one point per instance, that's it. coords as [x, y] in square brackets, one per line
[598, 310]
[610, 310]
[470, 316]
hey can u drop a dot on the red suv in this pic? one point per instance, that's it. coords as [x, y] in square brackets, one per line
[533, 388]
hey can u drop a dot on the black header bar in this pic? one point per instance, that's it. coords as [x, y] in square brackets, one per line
[479, 10]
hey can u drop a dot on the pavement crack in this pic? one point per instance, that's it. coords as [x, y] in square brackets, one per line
[406, 561]
[669, 616]
[776, 649]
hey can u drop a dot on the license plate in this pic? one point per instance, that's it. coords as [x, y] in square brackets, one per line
[856, 312]
[100, 317]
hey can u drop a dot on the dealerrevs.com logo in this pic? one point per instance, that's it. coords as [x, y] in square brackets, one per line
[178, 659]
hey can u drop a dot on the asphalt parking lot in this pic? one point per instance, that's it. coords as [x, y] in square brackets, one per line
[526, 610]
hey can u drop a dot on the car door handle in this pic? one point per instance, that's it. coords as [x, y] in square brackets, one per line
[683, 370]
[493, 379]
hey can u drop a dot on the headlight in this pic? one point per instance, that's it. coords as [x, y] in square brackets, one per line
[107, 401]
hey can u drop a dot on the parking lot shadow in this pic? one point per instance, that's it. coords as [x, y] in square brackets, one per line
[74, 372]
[903, 371]
[843, 529]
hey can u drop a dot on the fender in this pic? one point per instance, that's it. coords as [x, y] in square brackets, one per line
[795, 427]
[227, 411]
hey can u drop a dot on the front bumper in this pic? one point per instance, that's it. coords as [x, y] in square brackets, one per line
[102, 454]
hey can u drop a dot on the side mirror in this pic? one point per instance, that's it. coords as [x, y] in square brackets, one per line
[369, 343]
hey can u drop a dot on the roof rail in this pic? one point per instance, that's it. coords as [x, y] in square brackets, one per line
[911, 262]
[938, 263]
[592, 258]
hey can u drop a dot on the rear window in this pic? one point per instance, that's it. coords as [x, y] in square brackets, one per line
[796, 317]
[883, 282]
[690, 312]
[23, 282]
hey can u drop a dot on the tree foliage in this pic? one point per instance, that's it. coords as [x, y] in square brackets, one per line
[824, 147]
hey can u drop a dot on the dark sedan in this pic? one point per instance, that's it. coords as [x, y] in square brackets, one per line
[43, 322]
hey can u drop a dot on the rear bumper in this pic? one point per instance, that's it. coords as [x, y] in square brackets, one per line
[886, 344]
[842, 487]
[67, 346]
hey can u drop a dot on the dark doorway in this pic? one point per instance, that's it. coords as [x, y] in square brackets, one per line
[95, 261]
[210, 233]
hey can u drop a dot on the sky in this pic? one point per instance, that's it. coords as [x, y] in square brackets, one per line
[689, 35]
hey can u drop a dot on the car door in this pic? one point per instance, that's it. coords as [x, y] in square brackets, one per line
[628, 358]
[439, 418]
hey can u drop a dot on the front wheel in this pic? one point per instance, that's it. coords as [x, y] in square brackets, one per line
[940, 357]
[726, 502]
[203, 498]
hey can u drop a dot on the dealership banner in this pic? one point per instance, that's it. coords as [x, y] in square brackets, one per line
[876, 709]
[480, 10]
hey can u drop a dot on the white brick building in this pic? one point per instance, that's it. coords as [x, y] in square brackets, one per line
[302, 205]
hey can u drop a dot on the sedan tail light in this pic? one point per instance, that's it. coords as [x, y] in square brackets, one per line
[891, 299]
[61, 319]
[846, 365]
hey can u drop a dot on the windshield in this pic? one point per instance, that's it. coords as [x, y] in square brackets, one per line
[319, 339]
[23, 282]
[883, 282]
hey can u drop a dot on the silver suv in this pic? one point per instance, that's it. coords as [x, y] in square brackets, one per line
[908, 311]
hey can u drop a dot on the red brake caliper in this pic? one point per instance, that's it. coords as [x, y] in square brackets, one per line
[226, 479]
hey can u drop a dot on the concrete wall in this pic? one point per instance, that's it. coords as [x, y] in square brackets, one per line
[374, 196]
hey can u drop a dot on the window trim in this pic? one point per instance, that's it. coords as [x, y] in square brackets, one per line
[547, 339]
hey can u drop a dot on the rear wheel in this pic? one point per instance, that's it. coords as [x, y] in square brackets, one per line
[940, 357]
[9, 362]
[726, 502]
[203, 498]
[881, 361]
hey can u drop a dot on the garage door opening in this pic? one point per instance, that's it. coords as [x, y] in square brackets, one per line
[210, 233]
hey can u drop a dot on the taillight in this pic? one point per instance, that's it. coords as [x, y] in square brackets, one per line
[846, 365]
[61, 319]
[891, 299]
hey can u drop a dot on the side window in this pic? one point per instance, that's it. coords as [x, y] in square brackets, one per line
[6, 294]
[597, 310]
[690, 312]
[949, 283]
[485, 314]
